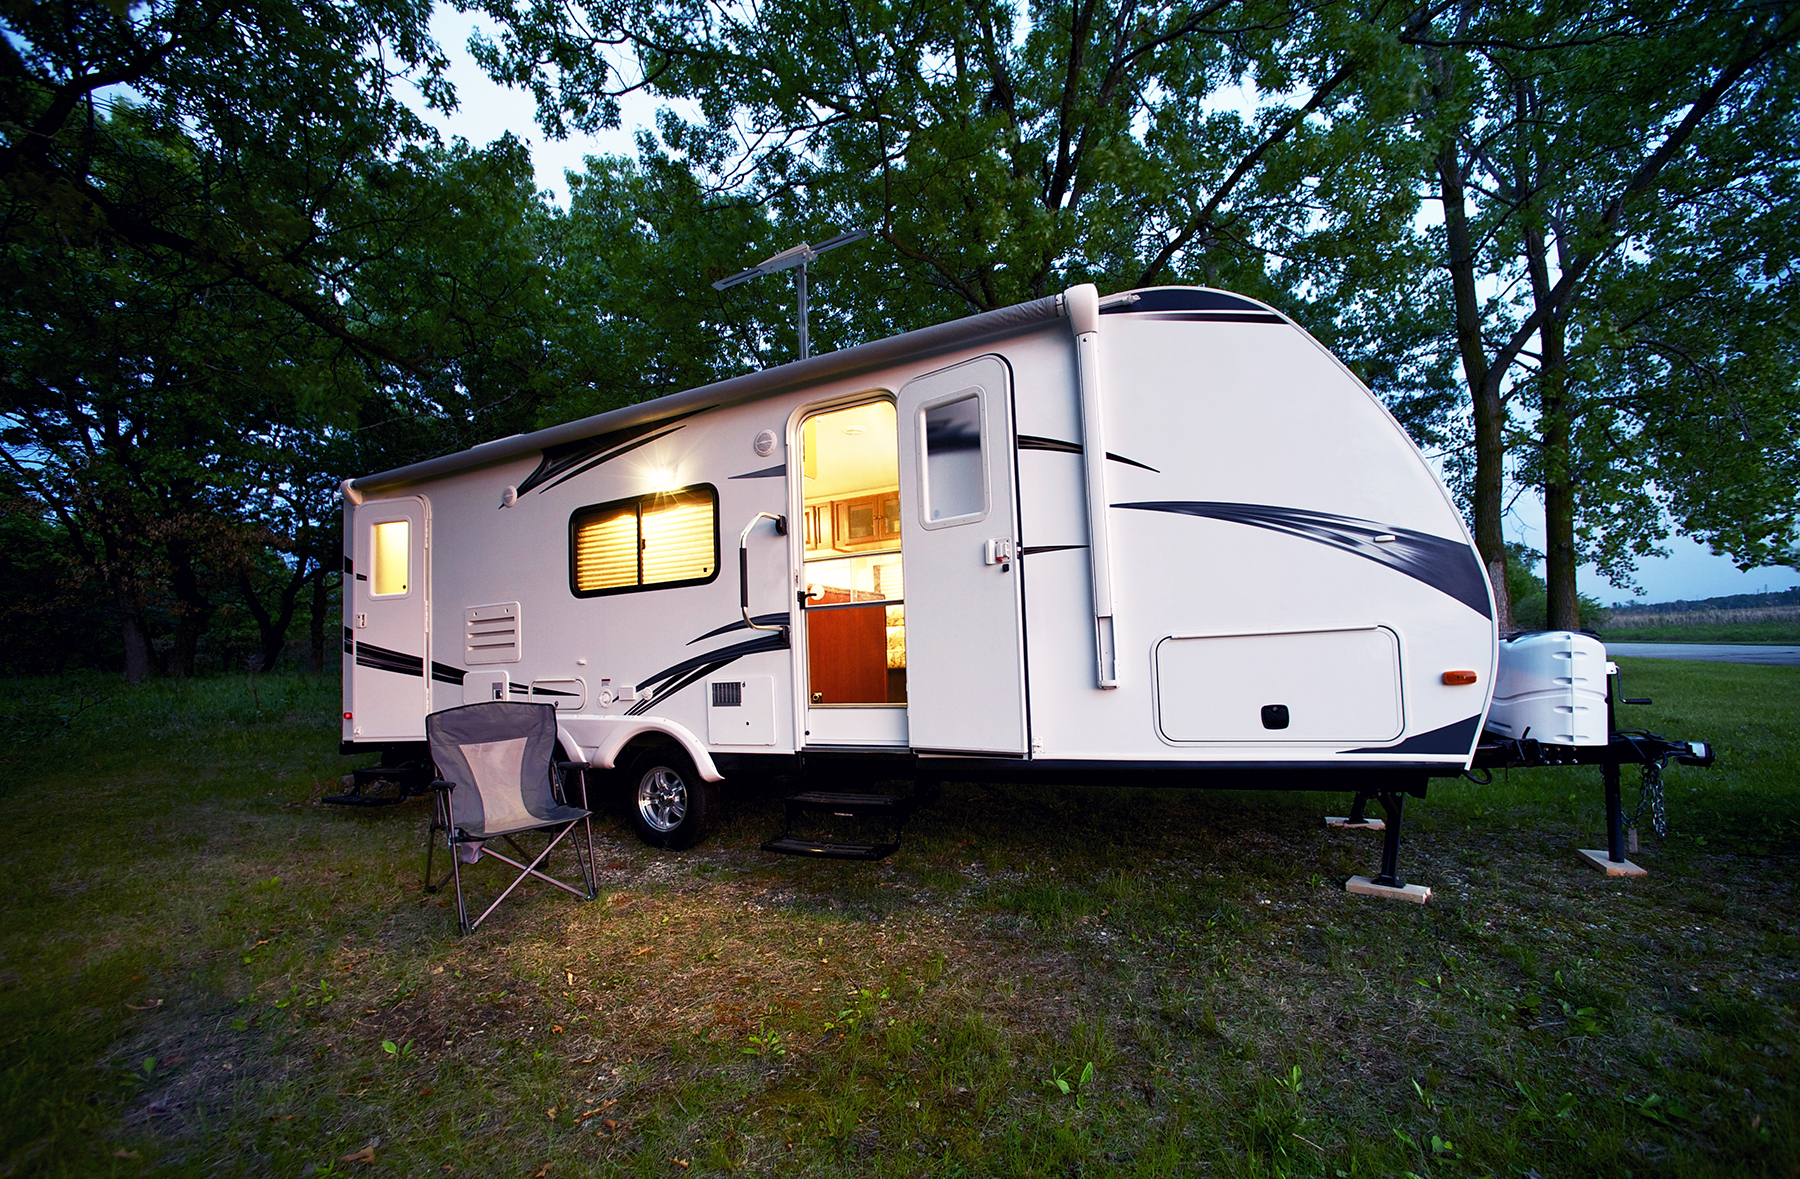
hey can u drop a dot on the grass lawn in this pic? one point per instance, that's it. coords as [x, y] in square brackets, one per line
[1778, 633]
[204, 972]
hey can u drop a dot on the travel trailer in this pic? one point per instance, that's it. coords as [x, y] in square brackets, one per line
[1161, 536]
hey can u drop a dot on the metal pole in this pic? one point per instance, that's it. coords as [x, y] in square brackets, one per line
[1609, 777]
[800, 282]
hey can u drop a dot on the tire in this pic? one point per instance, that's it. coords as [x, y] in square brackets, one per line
[670, 805]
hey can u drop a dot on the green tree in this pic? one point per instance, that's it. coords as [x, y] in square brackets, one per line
[1567, 138]
[998, 158]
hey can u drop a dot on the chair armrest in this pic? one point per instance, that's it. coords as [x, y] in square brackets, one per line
[573, 765]
[440, 785]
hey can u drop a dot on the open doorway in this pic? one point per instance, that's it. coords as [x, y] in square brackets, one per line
[855, 608]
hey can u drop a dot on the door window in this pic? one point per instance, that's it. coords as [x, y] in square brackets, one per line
[390, 544]
[955, 490]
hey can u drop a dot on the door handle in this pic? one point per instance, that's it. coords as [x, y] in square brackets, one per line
[744, 568]
[998, 552]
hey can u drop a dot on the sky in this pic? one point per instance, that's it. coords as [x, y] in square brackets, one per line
[486, 111]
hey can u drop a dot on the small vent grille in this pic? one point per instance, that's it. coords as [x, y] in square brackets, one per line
[491, 633]
[728, 695]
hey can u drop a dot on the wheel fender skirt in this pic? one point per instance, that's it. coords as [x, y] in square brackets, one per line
[598, 740]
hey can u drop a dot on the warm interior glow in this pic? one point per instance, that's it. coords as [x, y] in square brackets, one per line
[654, 540]
[678, 538]
[850, 463]
[391, 541]
[606, 551]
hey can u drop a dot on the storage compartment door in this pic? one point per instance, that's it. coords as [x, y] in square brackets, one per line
[1332, 686]
[964, 644]
[385, 625]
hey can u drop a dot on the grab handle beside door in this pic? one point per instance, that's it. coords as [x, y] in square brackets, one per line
[744, 569]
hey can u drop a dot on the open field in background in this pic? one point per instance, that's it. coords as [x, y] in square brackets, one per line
[202, 970]
[1757, 624]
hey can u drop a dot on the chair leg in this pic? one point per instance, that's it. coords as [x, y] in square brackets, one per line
[584, 854]
[437, 805]
[525, 870]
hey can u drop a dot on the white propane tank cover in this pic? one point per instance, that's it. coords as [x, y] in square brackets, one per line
[1552, 687]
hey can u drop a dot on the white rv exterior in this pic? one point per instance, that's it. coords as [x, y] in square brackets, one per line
[1159, 531]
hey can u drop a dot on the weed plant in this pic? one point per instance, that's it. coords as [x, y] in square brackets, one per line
[204, 971]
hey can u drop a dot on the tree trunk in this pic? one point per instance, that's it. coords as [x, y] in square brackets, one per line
[1489, 504]
[316, 631]
[1555, 428]
[140, 657]
[192, 611]
[1556, 445]
[272, 629]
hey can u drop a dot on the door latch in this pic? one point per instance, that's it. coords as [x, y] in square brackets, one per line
[998, 552]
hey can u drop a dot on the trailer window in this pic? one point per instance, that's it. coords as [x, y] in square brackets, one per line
[648, 542]
[954, 486]
[391, 546]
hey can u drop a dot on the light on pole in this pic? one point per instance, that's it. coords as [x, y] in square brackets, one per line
[789, 259]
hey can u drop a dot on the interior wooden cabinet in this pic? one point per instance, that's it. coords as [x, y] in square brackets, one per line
[868, 521]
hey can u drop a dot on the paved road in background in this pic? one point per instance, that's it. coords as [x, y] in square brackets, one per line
[1712, 652]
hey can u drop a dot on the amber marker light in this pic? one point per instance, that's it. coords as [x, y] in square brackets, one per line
[1459, 677]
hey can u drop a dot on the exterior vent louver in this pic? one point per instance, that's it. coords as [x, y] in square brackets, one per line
[491, 634]
[727, 694]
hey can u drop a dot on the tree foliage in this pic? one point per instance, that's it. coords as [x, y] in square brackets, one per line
[1554, 237]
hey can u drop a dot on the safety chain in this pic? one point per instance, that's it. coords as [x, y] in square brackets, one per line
[1650, 793]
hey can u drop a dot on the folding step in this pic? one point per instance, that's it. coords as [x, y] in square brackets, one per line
[849, 805]
[879, 807]
[789, 845]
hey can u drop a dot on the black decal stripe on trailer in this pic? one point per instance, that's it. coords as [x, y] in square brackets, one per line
[774, 472]
[1458, 738]
[1446, 565]
[675, 678]
[383, 659]
[608, 457]
[349, 641]
[559, 461]
[443, 673]
[1033, 442]
[740, 624]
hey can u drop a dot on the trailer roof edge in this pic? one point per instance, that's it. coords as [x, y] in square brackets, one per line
[940, 337]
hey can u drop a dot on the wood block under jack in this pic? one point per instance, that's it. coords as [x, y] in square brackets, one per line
[1597, 858]
[1366, 825]
[1362, 886]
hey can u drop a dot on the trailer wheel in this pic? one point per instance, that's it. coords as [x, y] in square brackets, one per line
[671, 803]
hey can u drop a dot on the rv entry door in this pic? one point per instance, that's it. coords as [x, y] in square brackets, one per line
[386, 621]
[964, 645]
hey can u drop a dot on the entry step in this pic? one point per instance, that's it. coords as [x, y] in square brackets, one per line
[881, 810]
[789, 845]
[849, 805]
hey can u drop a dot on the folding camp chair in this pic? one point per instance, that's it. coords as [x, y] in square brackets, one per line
[499, 778]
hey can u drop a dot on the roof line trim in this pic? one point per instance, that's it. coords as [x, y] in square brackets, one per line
[942, 337]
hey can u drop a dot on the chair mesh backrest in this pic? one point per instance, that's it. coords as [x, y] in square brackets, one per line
[499, 755]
